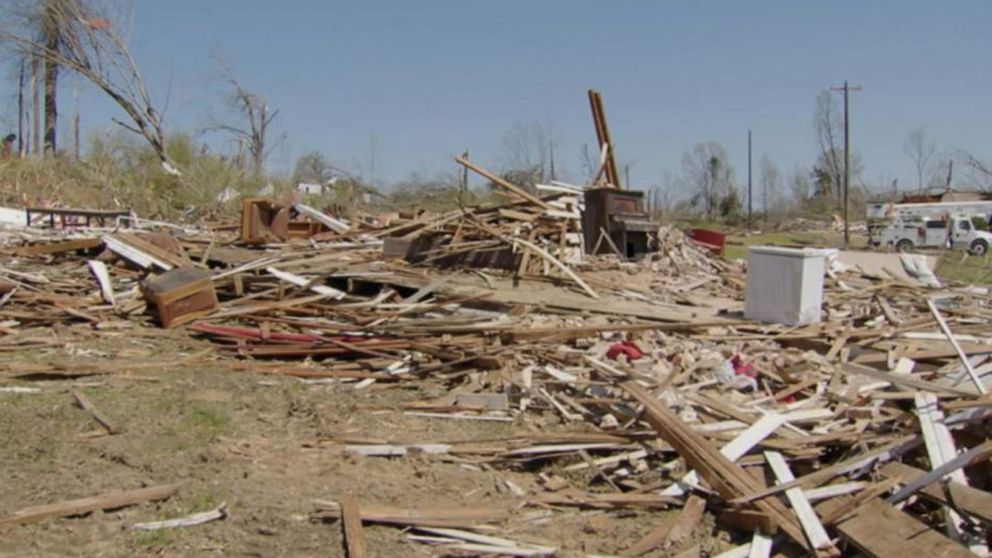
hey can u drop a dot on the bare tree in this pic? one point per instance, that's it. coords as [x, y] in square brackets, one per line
[253, 109]
[707, 172]
[529, 148]
[830, 137]
[978, 172]
[771, 180]
[92, 45]
[921, 150]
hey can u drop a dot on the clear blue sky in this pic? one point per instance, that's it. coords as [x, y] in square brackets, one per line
[432, 78]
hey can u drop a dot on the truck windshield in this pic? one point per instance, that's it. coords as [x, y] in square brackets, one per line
[964, 225]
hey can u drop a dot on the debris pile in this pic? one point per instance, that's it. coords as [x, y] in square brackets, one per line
[627, 385]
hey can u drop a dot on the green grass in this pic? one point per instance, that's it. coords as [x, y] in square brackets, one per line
[960, 267]
[952, 266]
[206, 417]
[152, 539]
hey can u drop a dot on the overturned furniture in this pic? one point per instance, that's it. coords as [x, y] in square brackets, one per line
[615, 220]
[181, 295]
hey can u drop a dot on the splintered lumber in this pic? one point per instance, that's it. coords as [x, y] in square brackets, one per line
[439, 516]
[736, 448]
[139, 255]
[972, 501]
[804, 511]
[220, 512]
[85, 404]
[882, 531]
[502, 183]
[728, 479]
[110, 501]
[351, 521]
[957, 347]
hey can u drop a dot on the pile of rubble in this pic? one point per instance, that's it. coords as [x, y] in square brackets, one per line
[865, 432]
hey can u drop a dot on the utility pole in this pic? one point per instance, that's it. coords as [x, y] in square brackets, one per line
[750, 225]
[847, 159]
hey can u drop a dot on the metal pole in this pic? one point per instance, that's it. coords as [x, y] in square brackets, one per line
[750, 224]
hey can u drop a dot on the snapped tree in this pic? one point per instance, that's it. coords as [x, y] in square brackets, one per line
[86, 40]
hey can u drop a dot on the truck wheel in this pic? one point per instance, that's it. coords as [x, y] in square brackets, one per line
[904, 246]
[979, 248]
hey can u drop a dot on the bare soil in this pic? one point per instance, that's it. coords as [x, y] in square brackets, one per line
[258, 443]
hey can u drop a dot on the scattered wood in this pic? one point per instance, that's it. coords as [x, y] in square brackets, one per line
[109, 501]
[85, 404]
[351, 521]
[220, 512]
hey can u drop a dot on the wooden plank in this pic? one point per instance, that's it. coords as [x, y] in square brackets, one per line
[736, 448]
[723, 475]
[502, 183]
[109, 501]
[904, 380]
[59, 247]
[761, 546]
[882, 531]
[99, 270]
[974, 502]
[437, 516]
[963, 460]
[957, 347]
[85, 404]
[940, 449]
[804, 511]
[351, 520]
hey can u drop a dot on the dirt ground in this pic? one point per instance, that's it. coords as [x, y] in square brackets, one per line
[260, 444]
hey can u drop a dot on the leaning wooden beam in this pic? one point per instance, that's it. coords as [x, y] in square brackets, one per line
[502, 183]
[957, 347]
[724, 476]
[554, 261]
[351, 521]
[112, 500]
[804, 511]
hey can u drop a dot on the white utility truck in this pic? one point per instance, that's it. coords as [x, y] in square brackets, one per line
[929, 225]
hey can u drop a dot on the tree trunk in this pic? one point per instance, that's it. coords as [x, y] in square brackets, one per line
[51, 79]
[20, 112]
[36, 106]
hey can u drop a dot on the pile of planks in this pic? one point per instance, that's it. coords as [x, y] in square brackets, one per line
[867, 432]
